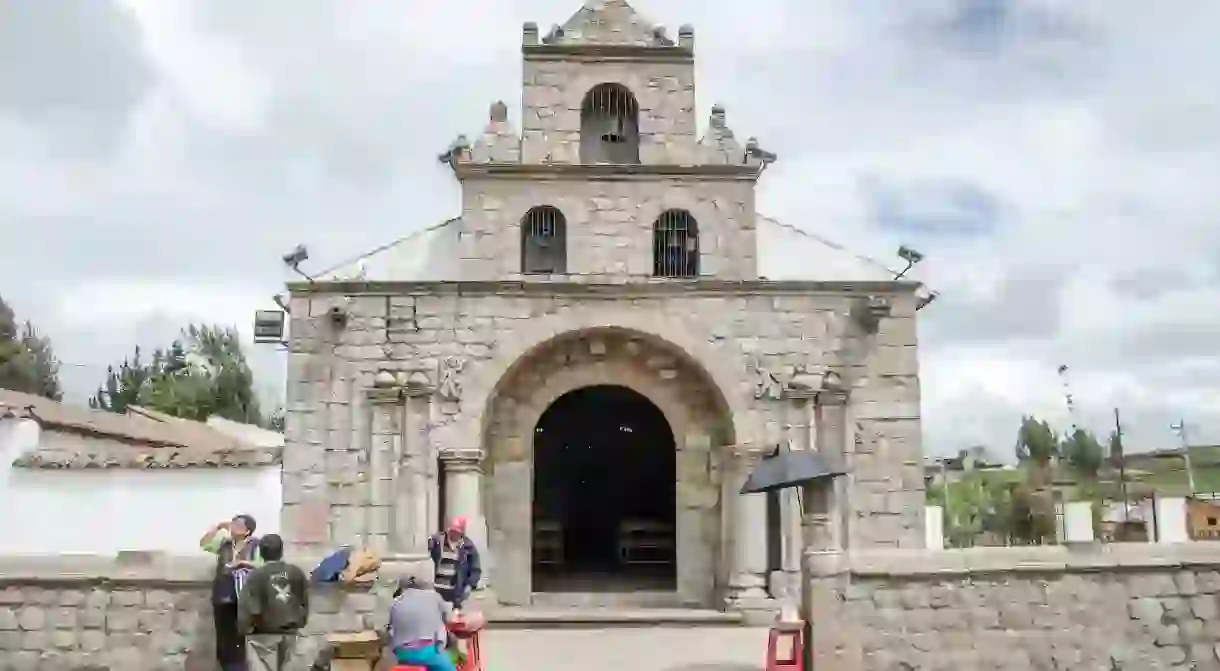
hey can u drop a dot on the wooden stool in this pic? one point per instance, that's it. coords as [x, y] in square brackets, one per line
[786, 647]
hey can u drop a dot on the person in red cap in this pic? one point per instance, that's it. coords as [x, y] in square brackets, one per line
[456, 560]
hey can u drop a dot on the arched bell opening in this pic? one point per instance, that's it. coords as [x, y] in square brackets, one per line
[675, 245]
[610, 126]
[544, 235]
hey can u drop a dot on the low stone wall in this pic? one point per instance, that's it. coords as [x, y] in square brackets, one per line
[1135, 607]
[75, 613]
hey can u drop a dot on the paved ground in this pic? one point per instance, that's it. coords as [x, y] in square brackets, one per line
[618, 648]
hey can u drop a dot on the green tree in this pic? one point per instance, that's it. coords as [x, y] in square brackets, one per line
[123, 386]
[1037, 448]
[1032, 502]
[202, 375]
[27, 359]
[1085, 456]
[207, 374]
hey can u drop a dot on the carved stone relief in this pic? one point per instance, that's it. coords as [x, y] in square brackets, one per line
[449, 386]
[766, 383]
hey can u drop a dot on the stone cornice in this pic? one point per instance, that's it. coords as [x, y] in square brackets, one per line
[456, 461]
[605, 172]
[660, 288]
[146, 569]
[937, 565]
[607, 53]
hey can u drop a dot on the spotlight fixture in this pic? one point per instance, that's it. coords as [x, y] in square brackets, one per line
[295, 258]
[909, 255]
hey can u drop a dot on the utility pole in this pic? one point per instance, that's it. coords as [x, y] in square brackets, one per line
[1122, 466]
[1184, 445]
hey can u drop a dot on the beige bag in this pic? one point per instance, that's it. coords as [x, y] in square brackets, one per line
[362, 567]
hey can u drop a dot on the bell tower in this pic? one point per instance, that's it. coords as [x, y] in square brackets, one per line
[607, 180]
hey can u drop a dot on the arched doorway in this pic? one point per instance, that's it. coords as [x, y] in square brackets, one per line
[604, 504]
[699, 420]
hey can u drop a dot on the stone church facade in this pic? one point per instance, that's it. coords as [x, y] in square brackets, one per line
[604, 243]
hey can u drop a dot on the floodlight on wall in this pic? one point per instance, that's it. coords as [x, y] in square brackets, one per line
[294, 259]
[269, 327]
[909, 255]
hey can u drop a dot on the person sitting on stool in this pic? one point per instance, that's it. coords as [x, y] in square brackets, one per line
[417, 626]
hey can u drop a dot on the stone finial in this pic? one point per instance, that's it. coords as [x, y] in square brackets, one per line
[498, 112]
[719, 146]
[686, 37]
[529, 34]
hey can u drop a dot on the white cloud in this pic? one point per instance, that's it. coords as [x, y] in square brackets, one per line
[1091, 125]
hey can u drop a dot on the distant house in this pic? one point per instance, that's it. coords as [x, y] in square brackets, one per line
[1203, 519]
[90, 481]
[971, 459]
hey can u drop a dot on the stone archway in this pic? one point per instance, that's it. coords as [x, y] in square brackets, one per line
[692, 405]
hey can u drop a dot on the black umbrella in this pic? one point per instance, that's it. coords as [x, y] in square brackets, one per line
[786, 469]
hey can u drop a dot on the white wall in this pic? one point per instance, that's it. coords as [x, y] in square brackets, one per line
[104, 511]
[934, 528]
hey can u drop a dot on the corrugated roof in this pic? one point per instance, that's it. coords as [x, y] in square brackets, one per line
[140, 439]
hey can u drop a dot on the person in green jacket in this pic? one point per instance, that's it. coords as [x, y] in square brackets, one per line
[273, 608]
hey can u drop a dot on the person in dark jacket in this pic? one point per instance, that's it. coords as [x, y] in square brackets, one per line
[456, 562]
[273, 608]
[236, 549]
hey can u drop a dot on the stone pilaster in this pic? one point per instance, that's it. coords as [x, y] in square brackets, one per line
[835, 441]
[748, 559]
[464, 498]
[385, 429]
[416, 488]
[800, 395]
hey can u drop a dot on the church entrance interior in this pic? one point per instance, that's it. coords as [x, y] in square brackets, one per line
[604, 494]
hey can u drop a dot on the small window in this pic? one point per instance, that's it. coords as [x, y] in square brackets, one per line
[544, 242]
[675, 245]
[1211, 521]
[610, 126]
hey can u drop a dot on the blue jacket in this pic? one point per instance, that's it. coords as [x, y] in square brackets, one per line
[330, 568]
[469, 572]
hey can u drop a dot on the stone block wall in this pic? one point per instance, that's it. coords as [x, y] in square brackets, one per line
[749, 336]
[553, 90]
[1130, 607]
[609, 226]
[76, 613]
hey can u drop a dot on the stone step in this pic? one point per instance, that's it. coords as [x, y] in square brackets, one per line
[534, 617]
[629, 600]
[729, 648]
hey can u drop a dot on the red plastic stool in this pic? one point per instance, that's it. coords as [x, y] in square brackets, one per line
[466, 628]
[786, 647]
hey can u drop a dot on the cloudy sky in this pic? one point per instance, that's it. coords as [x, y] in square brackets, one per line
[1057, 161]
